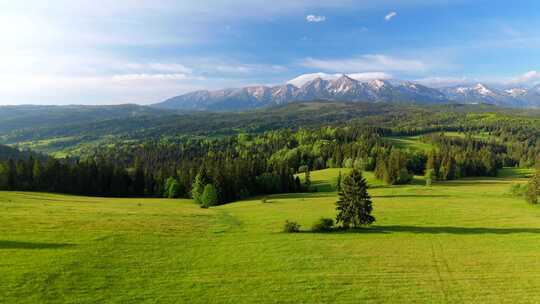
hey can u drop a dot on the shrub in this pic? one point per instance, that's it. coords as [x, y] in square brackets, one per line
[323, 225]
[291, 227]
[264, 200]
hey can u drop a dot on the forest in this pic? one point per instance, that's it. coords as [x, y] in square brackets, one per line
[252, 163]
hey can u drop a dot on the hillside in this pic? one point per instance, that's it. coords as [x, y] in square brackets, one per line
[7, 152]
[32, 117]
[429, 245]
[72, 137]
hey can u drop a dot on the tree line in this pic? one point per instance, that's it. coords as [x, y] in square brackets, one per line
[221, 170]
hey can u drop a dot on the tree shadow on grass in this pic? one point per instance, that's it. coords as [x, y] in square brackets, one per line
[29, 245]
[469, 182]
[302, 195]
[434, 230]
[410, 195]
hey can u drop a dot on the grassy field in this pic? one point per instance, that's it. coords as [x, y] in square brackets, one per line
[463, 241]
[415, 143]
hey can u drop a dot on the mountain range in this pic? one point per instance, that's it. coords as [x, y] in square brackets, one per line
[346, 88]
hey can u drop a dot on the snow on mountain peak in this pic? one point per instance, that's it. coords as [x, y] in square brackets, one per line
[303, 79]
[377, 84]
[515, 92]
[482, 89]
[367, 76]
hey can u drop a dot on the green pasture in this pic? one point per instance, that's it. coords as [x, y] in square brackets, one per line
[464, 241]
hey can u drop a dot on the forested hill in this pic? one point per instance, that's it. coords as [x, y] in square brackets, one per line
[29, 117]
[7, 152]
[73, 132]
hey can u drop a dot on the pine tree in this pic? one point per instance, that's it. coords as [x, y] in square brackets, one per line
[11, 172]
[354, 205]
[198, 185]
[138, 180]
[307, 180]
[209, 196]
[338, 182]
[172, 188]
[38, 175]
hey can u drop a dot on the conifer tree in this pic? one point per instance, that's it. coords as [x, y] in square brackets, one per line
[354, 205]
[307, 180]
[11, 172]
[198, 186]
[209, 196]
[37, 174]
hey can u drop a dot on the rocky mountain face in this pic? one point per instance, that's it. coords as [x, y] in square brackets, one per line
[347, 89]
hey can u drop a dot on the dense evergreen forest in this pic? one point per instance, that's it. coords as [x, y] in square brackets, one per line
[93, 128]
[221, 169]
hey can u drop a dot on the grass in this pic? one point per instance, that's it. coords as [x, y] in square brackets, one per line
[409, 142]
[463, 241]
[415, 144]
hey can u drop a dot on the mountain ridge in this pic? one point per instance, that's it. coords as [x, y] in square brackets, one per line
[345, 88]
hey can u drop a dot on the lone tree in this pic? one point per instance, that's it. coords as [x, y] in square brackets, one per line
[354, 204]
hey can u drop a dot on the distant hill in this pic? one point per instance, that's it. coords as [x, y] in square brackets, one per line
[348, 89]
[34, 116]
[7, 152]
[75, 138]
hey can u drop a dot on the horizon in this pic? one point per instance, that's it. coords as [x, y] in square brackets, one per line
[143, 52]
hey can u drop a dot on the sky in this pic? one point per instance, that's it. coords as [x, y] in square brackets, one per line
[137, 51]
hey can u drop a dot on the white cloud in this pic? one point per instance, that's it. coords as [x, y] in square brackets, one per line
[371, 62]
[370, 76]
[315, 18]
[302, 79]
[164, 67]
[149, 77]
[529, 78]
[389, 16]
[439, 82]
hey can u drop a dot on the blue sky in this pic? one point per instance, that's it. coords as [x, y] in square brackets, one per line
[77, 52]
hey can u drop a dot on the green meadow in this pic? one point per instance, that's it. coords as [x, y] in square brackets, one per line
[414, 143]
[464, 241]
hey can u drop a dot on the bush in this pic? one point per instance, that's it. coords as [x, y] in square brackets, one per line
[323, 225]
[291, 227]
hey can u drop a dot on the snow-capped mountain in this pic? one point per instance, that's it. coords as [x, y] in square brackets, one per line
[516, 97]
[478, 93]
[346, 88]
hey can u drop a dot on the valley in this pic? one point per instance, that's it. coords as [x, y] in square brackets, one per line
[250, 151]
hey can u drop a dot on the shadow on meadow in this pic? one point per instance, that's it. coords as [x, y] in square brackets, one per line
[29, 245]
[410, 195]
[434, 230]
[302, 195]
[469, 182]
